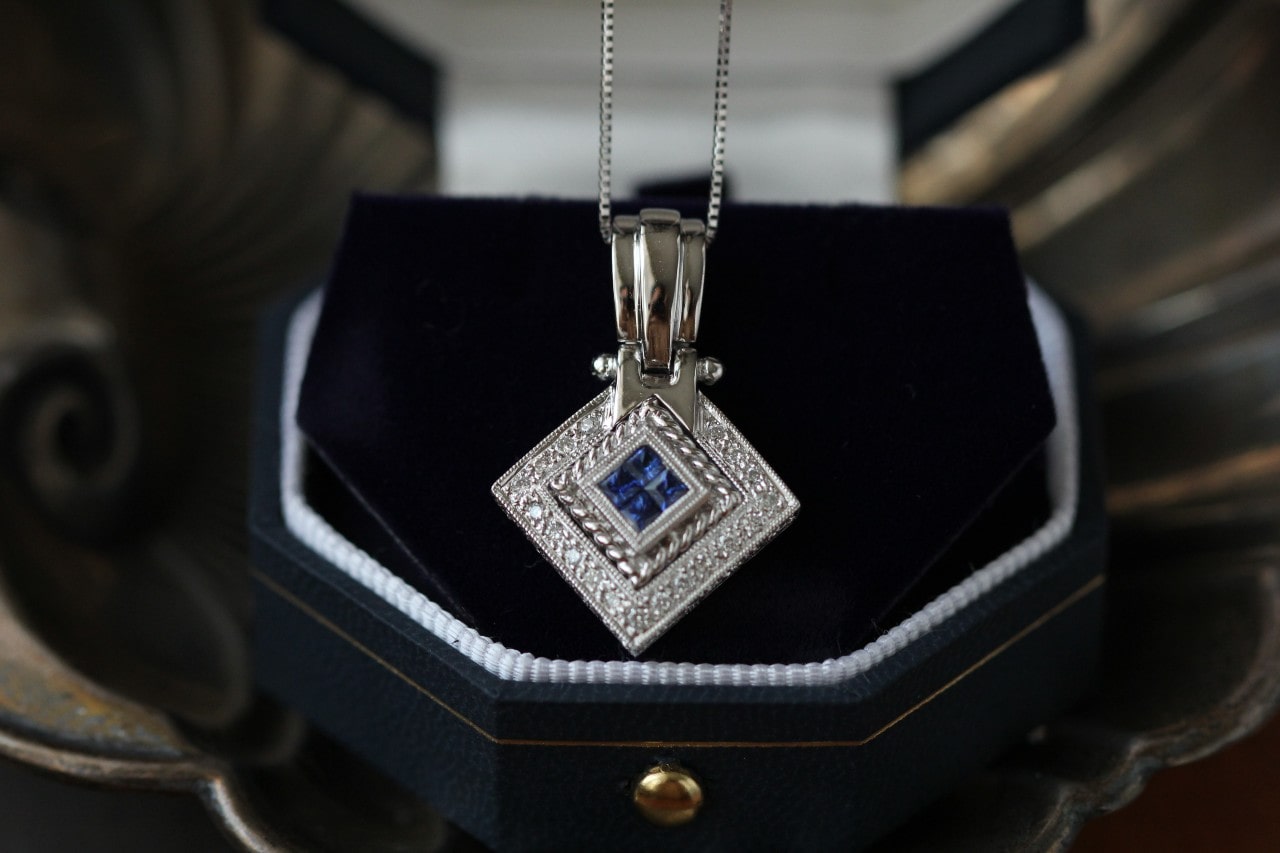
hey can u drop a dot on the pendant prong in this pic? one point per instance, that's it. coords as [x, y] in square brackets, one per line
[605, 368]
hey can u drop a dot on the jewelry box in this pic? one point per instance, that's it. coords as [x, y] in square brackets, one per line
[938, 596]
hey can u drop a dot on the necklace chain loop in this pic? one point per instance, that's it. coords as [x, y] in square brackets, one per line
[719, 122]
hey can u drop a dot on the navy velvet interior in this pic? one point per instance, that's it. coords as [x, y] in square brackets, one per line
[882, 359]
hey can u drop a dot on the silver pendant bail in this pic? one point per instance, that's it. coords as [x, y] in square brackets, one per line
[658, 264]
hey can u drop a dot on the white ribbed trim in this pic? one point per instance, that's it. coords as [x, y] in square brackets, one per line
[514, 665]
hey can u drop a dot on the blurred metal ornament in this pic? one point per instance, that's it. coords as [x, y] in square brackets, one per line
[1142, 182]
[166, 169]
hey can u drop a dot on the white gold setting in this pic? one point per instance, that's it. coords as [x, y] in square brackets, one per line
[640, 584]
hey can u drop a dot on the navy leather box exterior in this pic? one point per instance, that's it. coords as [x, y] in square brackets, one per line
[786, 763]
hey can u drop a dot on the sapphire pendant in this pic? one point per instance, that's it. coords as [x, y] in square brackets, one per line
[648, 498]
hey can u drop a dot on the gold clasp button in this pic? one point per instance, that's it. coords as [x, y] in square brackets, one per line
[668, 795]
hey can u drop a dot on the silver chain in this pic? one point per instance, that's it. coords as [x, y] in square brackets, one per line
[721, 118]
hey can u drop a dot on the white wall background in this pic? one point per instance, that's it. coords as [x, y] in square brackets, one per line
[809, 104]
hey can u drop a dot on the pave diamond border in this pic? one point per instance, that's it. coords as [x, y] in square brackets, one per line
[639, 614]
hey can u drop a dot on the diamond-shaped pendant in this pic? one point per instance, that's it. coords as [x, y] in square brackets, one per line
[647, 498]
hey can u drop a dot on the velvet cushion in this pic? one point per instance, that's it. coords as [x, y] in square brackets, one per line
[882, 360]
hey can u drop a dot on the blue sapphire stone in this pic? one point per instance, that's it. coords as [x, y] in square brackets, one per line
[642, 487]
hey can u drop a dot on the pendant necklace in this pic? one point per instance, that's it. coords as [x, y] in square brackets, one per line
[648, 497]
